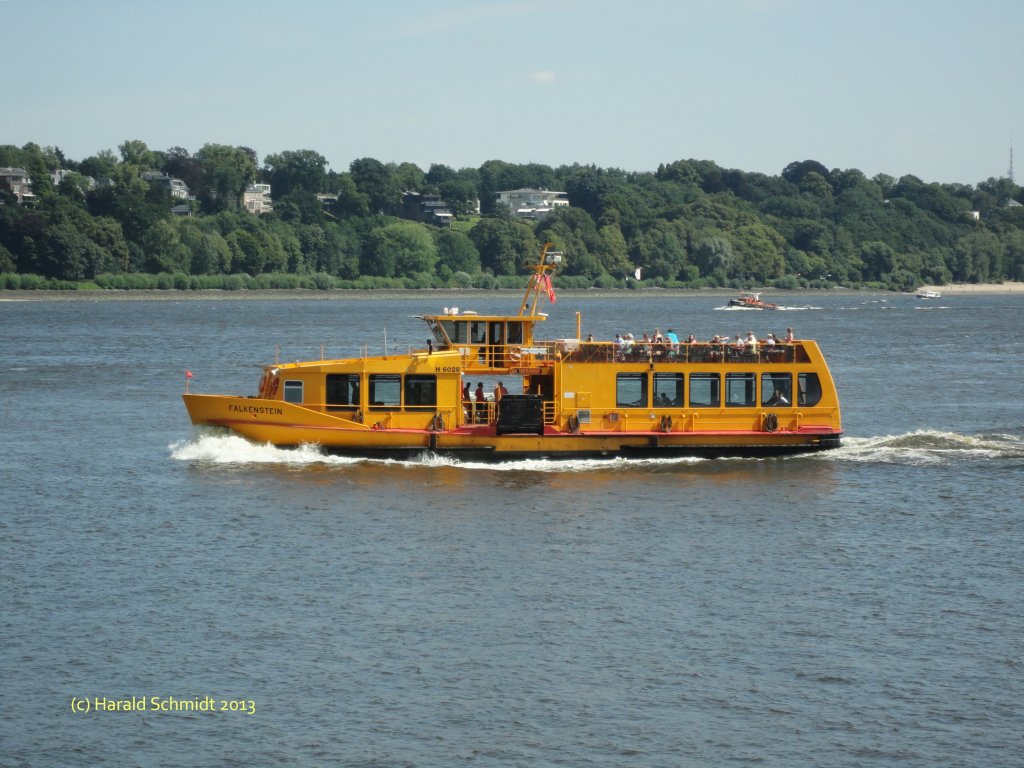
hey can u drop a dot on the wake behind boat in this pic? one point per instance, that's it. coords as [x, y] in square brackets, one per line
[567, 398]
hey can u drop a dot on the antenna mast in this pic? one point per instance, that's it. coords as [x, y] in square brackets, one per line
[1009, 173]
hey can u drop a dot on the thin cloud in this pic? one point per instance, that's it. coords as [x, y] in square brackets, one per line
[543, 77]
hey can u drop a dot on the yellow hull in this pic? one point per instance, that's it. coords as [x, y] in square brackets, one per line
[285, 425]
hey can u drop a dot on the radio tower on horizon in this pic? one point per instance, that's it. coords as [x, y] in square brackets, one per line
[1009, 173]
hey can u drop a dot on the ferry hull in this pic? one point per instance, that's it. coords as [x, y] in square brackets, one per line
[286, 425]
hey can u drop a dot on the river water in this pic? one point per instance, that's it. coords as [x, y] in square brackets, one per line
[856, 608]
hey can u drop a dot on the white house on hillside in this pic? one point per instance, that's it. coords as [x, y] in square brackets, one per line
[256, 199]
[531, 203]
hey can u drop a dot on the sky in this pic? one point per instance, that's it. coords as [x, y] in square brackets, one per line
[932, 88]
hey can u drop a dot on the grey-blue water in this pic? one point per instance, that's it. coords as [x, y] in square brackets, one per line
[857, 608]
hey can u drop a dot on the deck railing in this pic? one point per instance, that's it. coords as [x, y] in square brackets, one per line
[701, 352]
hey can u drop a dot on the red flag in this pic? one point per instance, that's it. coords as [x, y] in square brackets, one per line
[188, 374]
[548, 286]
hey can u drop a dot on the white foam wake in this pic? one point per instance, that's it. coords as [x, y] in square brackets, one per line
[928, 447]
[226, 449]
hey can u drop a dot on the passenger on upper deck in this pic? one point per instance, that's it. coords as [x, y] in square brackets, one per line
[751, 341]
[691, 339]
[672, 340]
[789, 336]
[627, 344]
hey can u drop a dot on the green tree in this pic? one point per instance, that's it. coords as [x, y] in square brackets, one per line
[227, 171]
[456, 252]
[760, 252]
[164, 251]
[295, 170]
[351, 202]
[410, 178]
[400, 248]
[504, 244]
[879, 260]
[376, 180]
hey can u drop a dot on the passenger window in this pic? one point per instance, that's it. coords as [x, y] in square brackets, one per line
[420, 392]
[776, 389]
[631, 390]
[704, 390]
[342, 391]
[385, 391]
[515, 333]
[809, 388]
[293, 392]
[740, 390]
[668, 390]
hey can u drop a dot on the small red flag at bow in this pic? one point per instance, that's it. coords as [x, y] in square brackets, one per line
[188, 374]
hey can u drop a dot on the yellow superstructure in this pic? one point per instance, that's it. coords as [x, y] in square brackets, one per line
[566, 397]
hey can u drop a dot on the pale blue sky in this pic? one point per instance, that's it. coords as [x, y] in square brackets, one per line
[933, 88]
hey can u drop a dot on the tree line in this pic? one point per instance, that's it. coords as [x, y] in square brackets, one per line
[690, 223]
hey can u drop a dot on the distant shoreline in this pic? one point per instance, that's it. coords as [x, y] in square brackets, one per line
[463, 294]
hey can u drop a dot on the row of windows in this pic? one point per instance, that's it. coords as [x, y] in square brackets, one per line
[392, 391]
[666, 390]
[387, 391]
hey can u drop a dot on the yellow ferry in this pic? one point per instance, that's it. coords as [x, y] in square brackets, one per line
[565, 397]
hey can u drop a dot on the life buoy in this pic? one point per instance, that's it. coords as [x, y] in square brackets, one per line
[771, 422]
[574, 425]
[515, 354]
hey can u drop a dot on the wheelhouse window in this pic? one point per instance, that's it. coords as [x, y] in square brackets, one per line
[456, 330]
[385, 391]
[478, 332]
[420, 392]
[809, 388]
[668, 390]
[705, 390]
[740, 390]
[515, 333]
[631, 390]
[293, 392]
[776, 389]
[342, 391]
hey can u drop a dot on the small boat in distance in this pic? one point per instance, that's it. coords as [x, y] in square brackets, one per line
[925, 294]
[567, 397]
[751, 300]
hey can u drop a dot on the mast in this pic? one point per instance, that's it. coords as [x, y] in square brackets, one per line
[541, 279]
